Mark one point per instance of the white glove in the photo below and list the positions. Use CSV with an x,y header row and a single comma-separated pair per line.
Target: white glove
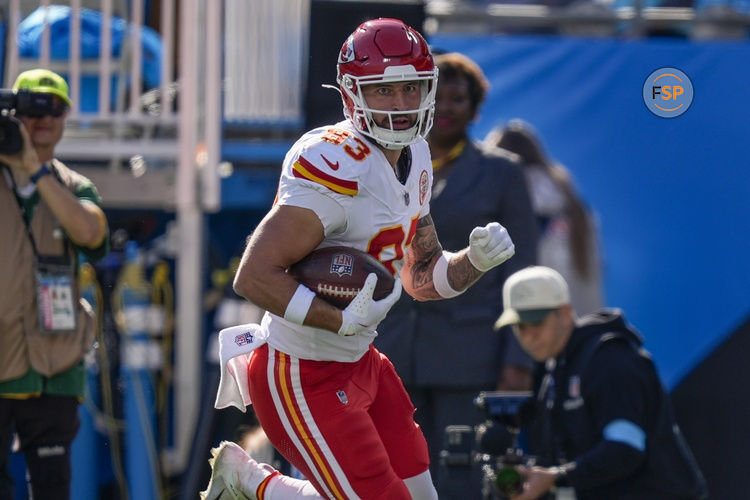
x,y
490,246
364,313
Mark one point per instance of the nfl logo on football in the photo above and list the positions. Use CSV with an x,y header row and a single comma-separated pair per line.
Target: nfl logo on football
x,y
342,264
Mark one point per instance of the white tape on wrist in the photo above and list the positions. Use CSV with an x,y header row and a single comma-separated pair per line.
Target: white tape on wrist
x,y
440,277
297,308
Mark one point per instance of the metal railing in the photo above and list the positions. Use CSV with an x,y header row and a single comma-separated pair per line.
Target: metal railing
x,y
266,60
116,132
129,129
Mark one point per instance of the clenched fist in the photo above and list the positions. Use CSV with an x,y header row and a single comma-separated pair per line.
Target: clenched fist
x,y
490,246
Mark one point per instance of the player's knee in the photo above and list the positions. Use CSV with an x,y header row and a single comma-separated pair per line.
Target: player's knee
x,y
394,489
376,479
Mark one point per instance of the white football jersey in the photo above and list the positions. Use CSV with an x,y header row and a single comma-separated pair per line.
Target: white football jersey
x,y
347,181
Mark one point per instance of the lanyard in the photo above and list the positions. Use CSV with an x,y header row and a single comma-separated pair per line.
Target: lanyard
x,y
55,281
26,216
22,208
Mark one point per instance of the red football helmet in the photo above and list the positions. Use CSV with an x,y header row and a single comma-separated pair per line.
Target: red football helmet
x,y
386,50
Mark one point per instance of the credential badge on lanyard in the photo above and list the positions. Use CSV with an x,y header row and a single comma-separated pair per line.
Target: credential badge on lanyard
x,y
54,276
55,294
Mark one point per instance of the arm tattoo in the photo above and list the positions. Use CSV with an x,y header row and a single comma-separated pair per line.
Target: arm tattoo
x,y
421,256
462,274
425,221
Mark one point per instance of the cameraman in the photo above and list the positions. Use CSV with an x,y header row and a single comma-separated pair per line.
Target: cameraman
x,y
603,422
48,215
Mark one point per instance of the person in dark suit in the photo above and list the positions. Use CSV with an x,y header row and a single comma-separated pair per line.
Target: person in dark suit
x,y
447,352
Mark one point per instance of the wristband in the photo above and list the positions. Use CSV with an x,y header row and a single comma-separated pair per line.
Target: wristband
x,y
43,170
296,309
440,277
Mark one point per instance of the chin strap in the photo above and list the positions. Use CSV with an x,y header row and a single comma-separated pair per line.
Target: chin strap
x,y
377,132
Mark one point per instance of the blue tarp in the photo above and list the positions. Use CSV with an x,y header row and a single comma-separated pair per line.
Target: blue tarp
x,y
673,195
59,19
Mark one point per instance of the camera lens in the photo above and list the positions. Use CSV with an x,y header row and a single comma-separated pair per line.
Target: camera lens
x,y
508,481
11,141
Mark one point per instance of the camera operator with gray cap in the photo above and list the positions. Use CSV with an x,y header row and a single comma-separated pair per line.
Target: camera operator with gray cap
x,y
603,422
49,214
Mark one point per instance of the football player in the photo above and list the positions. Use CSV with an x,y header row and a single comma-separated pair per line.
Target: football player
x,y
327,399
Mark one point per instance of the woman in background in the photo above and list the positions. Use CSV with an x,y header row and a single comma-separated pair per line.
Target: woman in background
x,y
447,352
567,232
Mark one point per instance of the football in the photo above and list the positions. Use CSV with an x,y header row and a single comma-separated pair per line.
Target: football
x,y
336,274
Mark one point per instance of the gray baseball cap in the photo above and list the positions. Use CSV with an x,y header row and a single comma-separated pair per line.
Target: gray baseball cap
x,y
530,294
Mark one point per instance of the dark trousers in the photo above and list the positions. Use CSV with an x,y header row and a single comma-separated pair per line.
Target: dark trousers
x,y
437,408
46,426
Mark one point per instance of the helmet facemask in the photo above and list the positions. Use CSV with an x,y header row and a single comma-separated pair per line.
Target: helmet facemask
x,y
358,111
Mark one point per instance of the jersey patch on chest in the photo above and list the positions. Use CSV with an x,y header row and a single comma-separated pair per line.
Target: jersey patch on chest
x,y
424,186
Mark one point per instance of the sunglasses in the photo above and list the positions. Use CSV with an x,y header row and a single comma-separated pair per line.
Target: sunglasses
x,y
39,105
56,112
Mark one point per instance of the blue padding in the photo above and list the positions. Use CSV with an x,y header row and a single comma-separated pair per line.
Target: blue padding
x,y
59,19
59,16
283,123
255,152
671,195
626,432
249,189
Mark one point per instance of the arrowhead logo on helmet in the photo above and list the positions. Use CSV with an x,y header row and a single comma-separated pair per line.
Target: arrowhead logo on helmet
x,y
347,51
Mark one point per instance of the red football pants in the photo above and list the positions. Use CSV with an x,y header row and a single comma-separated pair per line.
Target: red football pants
x,y
348,427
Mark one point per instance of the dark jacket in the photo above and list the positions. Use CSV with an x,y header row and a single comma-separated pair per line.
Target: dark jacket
x,y
451,342
604,382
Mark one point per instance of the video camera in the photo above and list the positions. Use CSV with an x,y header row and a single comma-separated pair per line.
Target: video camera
x,y
22,102
493,448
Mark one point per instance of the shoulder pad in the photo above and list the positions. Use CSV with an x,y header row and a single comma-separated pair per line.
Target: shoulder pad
x,y
326,163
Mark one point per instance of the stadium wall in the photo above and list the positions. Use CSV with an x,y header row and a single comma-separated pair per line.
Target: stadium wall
x,y
673,202
672,195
